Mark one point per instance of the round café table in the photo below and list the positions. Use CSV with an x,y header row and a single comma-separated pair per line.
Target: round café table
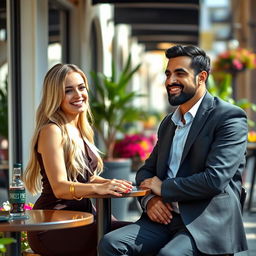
x,y
44,220
103,205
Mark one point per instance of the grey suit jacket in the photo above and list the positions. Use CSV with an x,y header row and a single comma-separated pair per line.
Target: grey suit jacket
x,y
208,183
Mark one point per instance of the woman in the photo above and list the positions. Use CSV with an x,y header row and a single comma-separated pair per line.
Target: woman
x,y
65,162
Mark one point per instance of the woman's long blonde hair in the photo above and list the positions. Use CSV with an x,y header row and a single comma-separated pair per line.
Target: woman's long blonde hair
x,y
49,111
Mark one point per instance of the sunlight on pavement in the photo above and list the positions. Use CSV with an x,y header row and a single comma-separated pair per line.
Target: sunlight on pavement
x,y
249,224
250,236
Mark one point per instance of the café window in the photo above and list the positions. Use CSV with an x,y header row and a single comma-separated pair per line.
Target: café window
x,y
58,47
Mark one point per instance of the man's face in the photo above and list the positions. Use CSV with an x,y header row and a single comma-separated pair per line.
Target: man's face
x,y
181,83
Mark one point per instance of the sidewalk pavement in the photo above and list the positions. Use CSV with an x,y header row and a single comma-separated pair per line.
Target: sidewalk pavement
x,y
250,229
249,216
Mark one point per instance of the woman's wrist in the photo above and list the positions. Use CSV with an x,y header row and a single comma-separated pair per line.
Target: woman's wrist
x,y
94,188
73,191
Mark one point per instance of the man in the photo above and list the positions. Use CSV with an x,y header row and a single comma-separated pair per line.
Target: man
x,y
194,172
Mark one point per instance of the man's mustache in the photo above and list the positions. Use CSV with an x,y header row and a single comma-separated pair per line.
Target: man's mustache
x,y
174,84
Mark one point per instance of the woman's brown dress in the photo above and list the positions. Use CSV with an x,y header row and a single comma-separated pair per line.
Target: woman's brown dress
x,y
66,242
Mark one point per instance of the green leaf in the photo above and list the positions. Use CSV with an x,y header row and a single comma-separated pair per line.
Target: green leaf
x,y
223,89
7,240
113,76
251,123
126,78
111,102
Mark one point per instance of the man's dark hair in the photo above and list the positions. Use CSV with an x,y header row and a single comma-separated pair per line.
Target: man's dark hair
x,y
200,61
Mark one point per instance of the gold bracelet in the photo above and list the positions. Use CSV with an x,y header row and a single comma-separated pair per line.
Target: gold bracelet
x,y
72,191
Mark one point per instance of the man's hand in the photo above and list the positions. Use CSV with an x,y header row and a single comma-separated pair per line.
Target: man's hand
x,y
158,211
154,184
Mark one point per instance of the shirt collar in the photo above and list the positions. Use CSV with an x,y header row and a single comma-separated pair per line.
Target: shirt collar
x,y
189,116
194,109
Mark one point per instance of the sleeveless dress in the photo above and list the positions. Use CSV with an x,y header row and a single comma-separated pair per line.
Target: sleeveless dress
x,y
65,242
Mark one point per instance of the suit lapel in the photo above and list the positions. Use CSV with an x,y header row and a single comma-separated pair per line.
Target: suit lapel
x,y
198,122
164,147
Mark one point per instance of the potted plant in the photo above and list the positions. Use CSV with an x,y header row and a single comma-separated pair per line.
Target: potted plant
x,y
136,147
112,109
111,103
234,61
220,84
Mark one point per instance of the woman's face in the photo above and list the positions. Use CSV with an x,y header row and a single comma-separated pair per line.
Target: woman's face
x,y
76,96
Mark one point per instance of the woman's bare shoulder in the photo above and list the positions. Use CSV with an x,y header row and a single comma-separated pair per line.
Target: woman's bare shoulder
x,y
51,133
51,129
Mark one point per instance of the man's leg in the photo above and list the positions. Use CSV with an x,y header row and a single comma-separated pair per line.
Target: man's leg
x,y
181,244
142,237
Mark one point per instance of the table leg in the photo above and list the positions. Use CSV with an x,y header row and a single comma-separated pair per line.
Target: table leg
x,y
15,248
103,216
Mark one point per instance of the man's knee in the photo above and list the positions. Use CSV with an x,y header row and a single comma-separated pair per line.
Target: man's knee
x,y
109,245
166,252
105,246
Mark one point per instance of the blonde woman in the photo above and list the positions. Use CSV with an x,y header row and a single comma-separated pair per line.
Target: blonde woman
x,y
64,162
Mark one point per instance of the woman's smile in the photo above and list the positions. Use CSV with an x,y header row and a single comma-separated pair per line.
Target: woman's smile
x,y
78,103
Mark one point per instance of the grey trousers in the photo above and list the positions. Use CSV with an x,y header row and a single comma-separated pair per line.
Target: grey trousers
x,y
145,237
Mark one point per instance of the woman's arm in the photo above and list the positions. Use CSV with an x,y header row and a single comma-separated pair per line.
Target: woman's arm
x,y
51,148
97,179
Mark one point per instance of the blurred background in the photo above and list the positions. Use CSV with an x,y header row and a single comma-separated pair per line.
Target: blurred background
x,y
93,34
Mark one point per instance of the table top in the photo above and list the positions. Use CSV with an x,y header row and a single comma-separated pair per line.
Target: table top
x,y
136,191
48,219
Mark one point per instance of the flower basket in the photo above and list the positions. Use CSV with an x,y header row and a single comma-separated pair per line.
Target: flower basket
x,y
235,60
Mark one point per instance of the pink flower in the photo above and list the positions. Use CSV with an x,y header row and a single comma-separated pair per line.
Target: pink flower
x,y
28,206
237,64
235,60
135,145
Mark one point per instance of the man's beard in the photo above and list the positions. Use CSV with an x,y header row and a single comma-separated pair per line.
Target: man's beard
x,y
184,96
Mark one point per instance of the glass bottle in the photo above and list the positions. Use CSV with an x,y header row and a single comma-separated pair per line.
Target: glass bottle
x,y
17,193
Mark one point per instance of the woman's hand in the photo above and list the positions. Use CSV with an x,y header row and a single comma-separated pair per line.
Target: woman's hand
x,y
153,183
114,187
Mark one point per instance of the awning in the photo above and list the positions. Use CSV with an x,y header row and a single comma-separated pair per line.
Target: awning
x,y
155,23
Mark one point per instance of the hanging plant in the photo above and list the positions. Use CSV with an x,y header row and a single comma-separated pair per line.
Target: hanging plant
x,y
235,60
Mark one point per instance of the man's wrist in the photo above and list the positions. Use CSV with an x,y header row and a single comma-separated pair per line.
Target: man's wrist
x,y
145,200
